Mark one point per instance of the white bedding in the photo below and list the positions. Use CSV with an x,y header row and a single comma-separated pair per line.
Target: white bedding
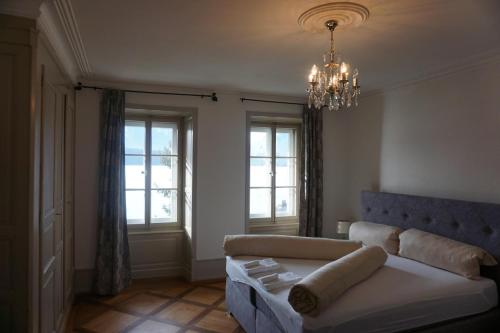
x,y
401,295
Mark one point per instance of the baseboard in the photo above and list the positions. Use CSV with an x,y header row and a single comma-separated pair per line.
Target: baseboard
x,y
65,323
211,269
84,277
157,270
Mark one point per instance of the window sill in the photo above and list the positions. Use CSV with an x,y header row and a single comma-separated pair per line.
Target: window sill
x,y
155,231
288,228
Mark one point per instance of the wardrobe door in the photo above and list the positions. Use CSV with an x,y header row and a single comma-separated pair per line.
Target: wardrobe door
x,y
15,97
59,206
51,237
69,157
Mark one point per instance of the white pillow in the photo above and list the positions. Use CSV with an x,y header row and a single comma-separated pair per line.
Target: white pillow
x,y
382,235
444,253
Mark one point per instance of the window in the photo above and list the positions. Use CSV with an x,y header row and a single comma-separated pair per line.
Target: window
x,y
273,172
151,171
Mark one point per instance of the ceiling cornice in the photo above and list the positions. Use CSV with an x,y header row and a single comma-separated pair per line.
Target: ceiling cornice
x,y
54,38
29,9
72,32
470,63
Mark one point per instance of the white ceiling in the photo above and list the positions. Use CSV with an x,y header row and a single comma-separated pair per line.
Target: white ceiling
x,y
257,45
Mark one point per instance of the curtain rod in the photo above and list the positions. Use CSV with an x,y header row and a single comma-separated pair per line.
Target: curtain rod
x,y
213,96
269,101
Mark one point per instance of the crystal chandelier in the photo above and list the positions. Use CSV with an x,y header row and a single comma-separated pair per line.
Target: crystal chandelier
x,y
331,86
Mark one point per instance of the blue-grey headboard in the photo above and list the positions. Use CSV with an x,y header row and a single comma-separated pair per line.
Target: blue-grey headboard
x,y
469,222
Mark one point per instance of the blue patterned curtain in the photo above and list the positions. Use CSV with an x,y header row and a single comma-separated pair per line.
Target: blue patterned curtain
x,y
112,268
311,173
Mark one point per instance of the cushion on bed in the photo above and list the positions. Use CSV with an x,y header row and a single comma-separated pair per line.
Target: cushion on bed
x,y
382,235
317,291
444,253
288,247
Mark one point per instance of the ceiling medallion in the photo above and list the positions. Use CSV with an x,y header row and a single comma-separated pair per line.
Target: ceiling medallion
x,y
346,14
336,84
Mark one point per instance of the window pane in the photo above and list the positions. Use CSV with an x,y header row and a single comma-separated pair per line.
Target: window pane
x,y
285,202
163,172
135,137
135,167
260,141
260,172
285,142
163,138
260,203
285,171
164,206
135,207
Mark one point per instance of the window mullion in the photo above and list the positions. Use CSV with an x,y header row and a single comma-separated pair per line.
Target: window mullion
x,y
273,170
148,175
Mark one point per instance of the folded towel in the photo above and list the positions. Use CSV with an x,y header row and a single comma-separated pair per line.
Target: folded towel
x,y
251,264
280,281
318,290
264,265
268,278
278,246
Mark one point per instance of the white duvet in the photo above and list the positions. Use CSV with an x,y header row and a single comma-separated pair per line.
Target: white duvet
x,y
401,295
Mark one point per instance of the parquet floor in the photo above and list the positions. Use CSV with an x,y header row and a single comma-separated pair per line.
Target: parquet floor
x,y
156,305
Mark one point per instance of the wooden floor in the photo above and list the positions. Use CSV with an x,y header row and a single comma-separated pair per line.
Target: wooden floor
x,y
156,305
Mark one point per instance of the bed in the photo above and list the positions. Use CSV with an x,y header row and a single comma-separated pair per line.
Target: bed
x,y
404,295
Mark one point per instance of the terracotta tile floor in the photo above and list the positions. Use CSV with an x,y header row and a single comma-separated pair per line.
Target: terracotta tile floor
x,y
156,305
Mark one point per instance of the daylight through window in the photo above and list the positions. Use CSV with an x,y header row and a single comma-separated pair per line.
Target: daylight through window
x,y
273,173
151,172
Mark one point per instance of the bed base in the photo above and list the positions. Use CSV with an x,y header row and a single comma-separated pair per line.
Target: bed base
x,y
255,316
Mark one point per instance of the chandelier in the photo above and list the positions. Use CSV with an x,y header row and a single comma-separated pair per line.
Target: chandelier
x,y
333,86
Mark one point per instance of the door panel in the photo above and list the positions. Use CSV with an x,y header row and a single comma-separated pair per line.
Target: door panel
x,y
47,318
52,215
69,133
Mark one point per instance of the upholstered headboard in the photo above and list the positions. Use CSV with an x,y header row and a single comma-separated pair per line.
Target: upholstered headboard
x,y
469,222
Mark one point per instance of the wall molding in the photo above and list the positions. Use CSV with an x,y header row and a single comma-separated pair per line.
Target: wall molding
x,y
72,32
51,35
29,9
466,64
173,269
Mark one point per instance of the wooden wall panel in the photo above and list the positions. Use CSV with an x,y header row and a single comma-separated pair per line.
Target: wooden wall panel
x,y
16,91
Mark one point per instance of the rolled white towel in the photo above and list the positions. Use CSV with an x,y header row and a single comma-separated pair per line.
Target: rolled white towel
x,y
322,287
278,246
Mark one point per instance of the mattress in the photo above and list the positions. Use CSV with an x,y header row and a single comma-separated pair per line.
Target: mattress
x,y
403,294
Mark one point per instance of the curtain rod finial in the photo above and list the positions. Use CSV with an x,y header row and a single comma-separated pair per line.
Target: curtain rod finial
x,y
214,97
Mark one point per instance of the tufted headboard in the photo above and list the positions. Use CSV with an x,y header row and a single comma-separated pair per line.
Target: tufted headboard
x,y
469,222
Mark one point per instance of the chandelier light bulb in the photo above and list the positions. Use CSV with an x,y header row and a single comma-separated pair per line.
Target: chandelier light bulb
x,y
343,68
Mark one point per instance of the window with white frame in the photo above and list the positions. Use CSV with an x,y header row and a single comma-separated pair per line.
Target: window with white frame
x,y
152,174
273,173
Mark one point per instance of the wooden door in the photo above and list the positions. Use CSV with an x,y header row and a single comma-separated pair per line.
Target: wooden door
x,y
52,208
69,157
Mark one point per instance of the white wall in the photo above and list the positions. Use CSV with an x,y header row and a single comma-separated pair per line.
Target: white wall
x,y
220,168
439,137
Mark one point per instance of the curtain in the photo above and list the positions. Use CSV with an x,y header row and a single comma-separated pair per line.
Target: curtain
x,y
311,173
112,268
